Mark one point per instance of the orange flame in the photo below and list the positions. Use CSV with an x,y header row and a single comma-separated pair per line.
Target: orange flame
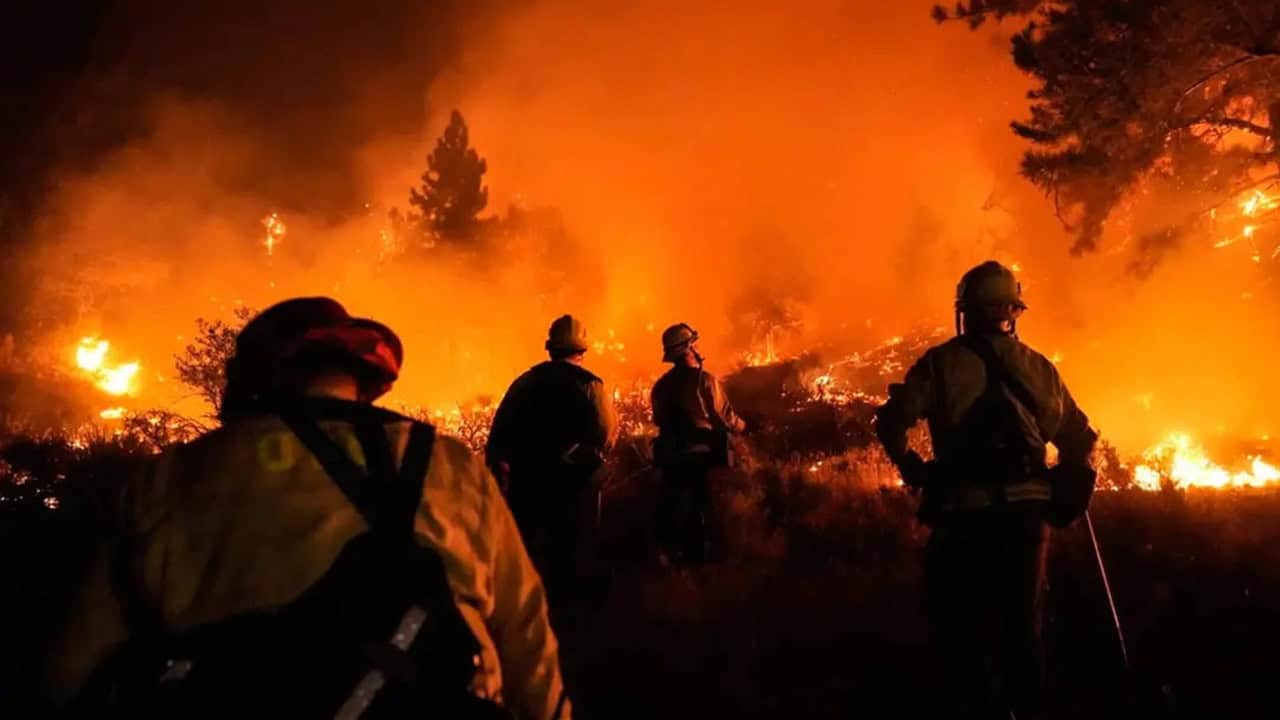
x,y
91,358
768,355
1182,461
276,230
1258,202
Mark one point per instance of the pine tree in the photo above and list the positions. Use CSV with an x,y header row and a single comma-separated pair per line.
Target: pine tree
x,y
1180,97
452,195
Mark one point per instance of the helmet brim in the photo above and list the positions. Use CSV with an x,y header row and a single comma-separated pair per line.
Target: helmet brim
x,y
374,347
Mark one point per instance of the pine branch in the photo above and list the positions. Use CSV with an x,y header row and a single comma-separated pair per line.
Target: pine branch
x,y
1237,123
1238,62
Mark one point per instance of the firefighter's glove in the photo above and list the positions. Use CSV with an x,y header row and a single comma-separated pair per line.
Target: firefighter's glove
x,y
914,470
1072,486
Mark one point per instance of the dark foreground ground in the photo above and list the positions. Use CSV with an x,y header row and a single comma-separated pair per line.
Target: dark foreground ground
x,y
819,617
812,612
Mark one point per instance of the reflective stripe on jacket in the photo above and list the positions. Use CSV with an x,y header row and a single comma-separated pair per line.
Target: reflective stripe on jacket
x,y
979,497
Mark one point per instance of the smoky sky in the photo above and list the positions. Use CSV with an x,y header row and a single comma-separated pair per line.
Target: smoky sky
x,y
839,163
293,80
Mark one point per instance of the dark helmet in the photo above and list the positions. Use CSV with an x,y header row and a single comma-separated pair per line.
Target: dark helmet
x,y
676,340
295,328
988,284
567,335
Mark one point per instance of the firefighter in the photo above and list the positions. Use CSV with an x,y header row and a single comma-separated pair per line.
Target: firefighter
x,y
991,403
296,503
694,420
547,443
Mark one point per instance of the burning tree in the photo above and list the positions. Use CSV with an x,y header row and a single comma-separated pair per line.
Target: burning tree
x,y
762,316
452,195
1157,96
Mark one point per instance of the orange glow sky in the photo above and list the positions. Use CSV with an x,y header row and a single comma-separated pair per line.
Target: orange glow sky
x,y
852,154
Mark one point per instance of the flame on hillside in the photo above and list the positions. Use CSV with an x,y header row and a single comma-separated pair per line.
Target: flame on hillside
x,y
1182,461
1179,459
112,378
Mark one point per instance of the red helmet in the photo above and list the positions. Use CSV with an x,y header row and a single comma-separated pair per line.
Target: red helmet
x,y
287,330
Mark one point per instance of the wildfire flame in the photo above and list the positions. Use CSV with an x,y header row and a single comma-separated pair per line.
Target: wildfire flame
x,y
1258,202
389,243
91,358
1178,460
1253,208
276,230
1184,462
767,355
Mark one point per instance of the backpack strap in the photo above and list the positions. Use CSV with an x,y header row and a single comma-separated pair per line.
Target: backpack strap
x,y
1025,430
407,497
998,373
387,500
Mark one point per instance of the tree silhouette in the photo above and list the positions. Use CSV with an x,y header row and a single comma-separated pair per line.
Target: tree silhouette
x,y
202,365
452,194
1168,96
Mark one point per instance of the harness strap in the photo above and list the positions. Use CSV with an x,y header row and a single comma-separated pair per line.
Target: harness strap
x,y
387,500
389,510
417,460
998,373
976,496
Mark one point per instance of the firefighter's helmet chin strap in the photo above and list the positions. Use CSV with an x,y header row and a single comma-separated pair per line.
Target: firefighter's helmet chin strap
x,y
697,356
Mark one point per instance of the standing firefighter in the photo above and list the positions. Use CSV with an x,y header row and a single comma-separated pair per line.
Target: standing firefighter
x,y
548,441
992,404
694,422
316,556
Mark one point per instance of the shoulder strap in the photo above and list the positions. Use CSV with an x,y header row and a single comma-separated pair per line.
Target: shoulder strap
x,y
387,500
998,373
413,468
387,507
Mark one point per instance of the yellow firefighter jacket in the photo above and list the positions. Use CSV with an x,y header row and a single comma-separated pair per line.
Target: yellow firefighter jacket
x,y
244,518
